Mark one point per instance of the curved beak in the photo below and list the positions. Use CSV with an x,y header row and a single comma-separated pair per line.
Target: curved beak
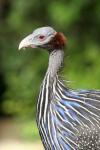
x,y
27,42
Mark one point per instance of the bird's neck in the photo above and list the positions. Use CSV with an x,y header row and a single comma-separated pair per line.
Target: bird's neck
x,y
48,86
55,62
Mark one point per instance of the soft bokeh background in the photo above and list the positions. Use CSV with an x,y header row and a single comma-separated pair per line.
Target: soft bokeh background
x,y
22,72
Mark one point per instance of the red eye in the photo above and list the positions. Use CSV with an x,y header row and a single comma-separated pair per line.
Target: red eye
x,y
41,37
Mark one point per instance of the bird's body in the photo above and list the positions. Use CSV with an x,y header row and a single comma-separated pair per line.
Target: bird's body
x,y
67,119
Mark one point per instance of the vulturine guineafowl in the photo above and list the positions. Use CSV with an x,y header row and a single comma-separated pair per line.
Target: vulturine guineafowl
x,y
67,119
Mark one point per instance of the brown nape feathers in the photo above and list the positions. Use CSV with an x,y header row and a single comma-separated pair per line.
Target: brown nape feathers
x,y
59,40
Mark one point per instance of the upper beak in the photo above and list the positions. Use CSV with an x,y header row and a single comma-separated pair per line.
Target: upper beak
x,y
27,42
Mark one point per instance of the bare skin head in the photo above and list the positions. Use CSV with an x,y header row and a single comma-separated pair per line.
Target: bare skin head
x,y
44,37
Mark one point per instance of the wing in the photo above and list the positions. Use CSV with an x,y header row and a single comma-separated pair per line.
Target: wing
x,y
89,101
77,116
84,104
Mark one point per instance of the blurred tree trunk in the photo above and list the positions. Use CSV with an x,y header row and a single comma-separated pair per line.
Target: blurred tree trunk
x,y
4,9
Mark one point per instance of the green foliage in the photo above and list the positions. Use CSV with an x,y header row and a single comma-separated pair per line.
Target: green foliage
x,y
23,71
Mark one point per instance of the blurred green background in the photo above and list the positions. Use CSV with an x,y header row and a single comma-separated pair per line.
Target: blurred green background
x,y
21,72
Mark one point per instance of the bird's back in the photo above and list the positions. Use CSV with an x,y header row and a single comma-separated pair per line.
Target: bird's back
x,y
76,118
70,119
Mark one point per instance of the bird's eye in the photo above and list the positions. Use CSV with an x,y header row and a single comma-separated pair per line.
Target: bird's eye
x,y
41,37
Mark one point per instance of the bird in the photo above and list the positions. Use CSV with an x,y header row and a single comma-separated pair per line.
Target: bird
x,y
67,119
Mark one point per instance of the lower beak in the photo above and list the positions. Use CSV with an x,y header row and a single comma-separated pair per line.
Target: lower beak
x,y
27,42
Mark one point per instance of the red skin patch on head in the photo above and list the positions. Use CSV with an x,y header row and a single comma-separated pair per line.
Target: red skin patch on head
x,y
59,40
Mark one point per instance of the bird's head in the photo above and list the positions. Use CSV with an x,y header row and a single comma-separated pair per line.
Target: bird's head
x,y
44,37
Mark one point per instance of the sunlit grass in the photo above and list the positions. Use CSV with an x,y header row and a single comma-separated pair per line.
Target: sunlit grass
x,y
29,131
